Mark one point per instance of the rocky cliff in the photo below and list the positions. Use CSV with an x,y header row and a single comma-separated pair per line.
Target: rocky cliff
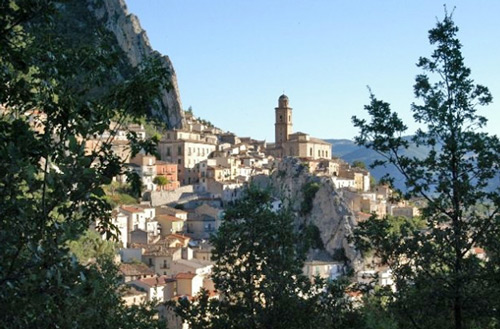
x,y
132,39
321,205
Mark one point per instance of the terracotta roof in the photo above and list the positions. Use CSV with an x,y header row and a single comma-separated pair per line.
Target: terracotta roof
x,y
185,276
156,281
478,250
362,216
354,294
169,217
132,209
178,236
135,269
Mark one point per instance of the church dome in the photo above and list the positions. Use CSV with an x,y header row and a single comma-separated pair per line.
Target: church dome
x,y
283,101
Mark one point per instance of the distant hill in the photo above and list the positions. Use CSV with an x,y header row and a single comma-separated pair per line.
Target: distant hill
x,y
348,150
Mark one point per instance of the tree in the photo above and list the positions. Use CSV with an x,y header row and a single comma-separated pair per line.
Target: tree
x,y
440,281
258,263
60,85
91,246
161,181
358,164
258,269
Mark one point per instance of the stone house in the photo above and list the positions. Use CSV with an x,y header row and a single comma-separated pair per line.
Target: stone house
x,y
145,166
157,288
132,296
186,149
159,257
135,271
169,171
170,224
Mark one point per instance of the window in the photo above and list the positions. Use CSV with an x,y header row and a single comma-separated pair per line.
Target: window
x,y
281,118
150,261
179,150
168,151
311,152
179,162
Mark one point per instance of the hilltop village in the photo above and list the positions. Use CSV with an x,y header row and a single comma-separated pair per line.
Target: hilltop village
x,y
164,239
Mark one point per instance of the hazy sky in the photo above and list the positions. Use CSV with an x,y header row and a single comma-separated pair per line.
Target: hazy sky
x,y
234,58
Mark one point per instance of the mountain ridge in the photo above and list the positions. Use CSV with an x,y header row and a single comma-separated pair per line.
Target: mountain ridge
x,y
134,42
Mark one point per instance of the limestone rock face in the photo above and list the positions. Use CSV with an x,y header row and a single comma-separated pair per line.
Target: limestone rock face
x,y
329,211
133,40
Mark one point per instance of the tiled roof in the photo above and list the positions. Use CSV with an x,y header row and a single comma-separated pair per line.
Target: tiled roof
x,y
132,209
135,269
185,275
169,218
156,281
178,236
167,209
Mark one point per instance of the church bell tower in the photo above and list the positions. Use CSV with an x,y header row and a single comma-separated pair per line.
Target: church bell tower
x,y
283,125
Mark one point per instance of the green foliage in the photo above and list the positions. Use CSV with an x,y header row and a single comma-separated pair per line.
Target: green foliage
x,y
91,246
375,313
313,235
309,191
258,268
119,194
201,313
440,283
161,180
373,182
74,82
358,164
257,262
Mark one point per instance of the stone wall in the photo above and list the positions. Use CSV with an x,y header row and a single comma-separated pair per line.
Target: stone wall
x,y
158,198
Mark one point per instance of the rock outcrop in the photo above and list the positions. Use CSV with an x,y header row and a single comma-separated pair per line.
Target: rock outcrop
x,y
327,210
133,40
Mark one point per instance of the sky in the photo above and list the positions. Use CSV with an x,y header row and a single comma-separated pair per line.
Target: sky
x,y
234,58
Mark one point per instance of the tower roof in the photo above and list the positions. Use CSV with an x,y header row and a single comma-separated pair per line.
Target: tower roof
x,y
283,101
283,97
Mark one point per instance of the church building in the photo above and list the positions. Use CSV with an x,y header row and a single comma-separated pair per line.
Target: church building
x,y
296,144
